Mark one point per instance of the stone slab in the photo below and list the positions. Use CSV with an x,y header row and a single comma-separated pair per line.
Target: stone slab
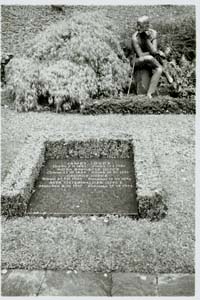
x,y
74,283
66,283
176,285
22,283
131,284
142,78
85,186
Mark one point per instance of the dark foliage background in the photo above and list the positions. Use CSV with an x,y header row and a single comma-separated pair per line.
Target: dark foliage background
x,y
175,23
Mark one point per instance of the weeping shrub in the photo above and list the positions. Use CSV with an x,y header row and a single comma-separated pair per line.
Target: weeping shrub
x,y
22,82
70,62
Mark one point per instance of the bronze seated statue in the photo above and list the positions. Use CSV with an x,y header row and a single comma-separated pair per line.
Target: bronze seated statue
x,y
148,63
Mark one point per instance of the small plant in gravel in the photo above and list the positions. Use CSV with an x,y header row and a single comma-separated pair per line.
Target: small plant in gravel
x,y
68,63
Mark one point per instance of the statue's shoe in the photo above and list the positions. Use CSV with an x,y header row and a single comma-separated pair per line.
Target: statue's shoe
x,y
149,96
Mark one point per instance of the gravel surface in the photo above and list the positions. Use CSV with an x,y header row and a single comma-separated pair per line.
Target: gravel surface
x,y
125,245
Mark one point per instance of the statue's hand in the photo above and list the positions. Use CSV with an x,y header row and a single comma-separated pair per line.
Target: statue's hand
x,y
148,33
161,54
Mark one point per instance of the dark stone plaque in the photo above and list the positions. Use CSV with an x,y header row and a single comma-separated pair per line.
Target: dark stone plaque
x,y
85,186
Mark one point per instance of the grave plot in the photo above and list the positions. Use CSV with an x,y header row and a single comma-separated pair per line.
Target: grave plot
x,y
85,186
84,177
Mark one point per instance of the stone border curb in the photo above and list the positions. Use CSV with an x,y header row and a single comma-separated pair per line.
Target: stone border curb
x,y
21,282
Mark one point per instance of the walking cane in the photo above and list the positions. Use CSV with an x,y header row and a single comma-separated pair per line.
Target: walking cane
x,y
132,72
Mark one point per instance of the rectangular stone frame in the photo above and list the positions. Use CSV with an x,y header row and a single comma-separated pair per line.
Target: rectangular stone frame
x,y
19,183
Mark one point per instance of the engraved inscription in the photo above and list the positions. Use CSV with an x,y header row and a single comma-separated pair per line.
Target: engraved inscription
x,y
78,174
85,186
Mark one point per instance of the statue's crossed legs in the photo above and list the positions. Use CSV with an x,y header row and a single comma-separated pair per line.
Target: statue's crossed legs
x,y
150,62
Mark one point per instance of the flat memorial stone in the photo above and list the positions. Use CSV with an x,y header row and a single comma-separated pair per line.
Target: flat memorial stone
x,y
85,186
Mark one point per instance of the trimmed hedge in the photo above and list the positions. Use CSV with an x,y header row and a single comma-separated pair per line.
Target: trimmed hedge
x,y
19,183
151,196
141,105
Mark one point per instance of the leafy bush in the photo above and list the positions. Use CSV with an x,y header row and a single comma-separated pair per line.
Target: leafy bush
x,y
68,63
183,76
180,35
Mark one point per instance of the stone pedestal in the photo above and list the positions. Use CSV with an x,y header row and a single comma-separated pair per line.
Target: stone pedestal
x,y
142,80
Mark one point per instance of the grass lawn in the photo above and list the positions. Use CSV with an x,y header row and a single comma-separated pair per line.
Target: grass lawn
x,y
120,244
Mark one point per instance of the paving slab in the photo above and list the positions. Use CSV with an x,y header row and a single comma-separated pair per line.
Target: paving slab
x,y
66,283
22,283
176,285
131,284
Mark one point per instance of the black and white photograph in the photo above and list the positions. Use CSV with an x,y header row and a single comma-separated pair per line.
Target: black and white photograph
x,y
98,106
